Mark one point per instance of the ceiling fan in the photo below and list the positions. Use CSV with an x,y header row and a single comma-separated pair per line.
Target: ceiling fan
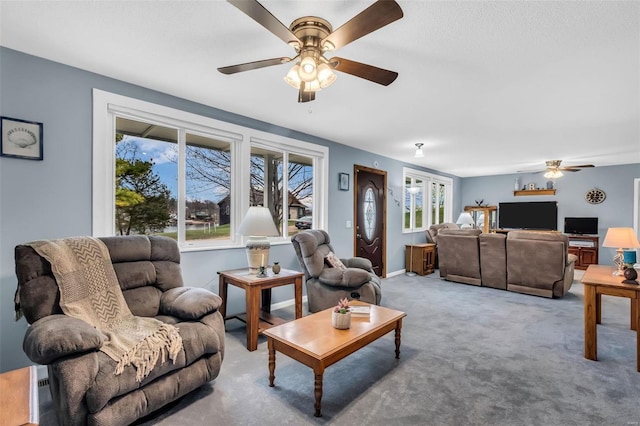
x,y
312,37
553,169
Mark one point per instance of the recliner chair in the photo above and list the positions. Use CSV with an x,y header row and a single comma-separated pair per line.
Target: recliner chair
x,y
326,284
83,386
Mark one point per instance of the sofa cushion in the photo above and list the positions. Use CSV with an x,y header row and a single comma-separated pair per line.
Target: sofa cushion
x,y
198,339
333,261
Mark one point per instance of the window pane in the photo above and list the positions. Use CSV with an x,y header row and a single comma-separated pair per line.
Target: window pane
x,y
208,188
441,202
145,178
300,193
407,204
266,183
418,204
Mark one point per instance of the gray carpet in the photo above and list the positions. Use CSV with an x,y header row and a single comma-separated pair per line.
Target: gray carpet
x,y
469,356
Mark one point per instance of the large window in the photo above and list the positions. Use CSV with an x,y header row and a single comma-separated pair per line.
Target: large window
x,y
427,200
184,176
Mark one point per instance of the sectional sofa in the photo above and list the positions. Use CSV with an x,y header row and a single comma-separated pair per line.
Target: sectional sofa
x,y
536,263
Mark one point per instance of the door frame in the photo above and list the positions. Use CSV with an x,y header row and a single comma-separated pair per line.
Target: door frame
x,y
383,173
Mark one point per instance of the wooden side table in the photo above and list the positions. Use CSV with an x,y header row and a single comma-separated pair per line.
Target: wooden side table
x,y
420,258
19,402
255,288
599,280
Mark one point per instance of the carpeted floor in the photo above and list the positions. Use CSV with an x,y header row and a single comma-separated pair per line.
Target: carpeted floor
x,y
469,356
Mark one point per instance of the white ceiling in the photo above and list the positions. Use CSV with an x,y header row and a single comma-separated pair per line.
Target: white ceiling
x,y
489,87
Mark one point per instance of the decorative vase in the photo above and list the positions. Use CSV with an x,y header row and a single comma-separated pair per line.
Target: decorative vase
x,y
275,268
516,186
341,321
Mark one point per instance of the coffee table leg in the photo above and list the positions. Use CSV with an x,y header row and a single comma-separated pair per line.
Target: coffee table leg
x,y
318,393
272,361
398,333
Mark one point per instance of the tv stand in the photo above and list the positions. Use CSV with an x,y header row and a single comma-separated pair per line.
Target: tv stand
x,y
586,248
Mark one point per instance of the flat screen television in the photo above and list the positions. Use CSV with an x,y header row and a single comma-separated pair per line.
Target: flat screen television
x,y
581,225
541,215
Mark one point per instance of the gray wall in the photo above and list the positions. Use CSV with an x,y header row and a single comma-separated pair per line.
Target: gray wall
x,y
52,198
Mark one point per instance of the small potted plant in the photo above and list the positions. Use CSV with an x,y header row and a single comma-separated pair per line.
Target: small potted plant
x,y
341,315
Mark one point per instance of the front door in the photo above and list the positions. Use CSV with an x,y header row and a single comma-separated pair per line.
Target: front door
x,y
370,216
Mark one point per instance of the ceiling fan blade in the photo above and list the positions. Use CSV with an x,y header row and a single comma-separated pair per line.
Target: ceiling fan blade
x,y
304,96
568,169
262,16
581,166
232,69
368,72
376,16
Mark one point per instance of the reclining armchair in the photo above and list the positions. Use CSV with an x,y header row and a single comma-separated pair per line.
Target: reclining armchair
x,y
82,379
329,279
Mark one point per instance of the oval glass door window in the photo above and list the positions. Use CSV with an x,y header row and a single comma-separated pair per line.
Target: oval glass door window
x,y
369,213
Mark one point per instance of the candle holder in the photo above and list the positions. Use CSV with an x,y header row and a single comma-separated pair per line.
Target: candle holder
x,y
261,272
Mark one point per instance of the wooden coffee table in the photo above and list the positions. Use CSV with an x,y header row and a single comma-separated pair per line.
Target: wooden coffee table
x,y
312,341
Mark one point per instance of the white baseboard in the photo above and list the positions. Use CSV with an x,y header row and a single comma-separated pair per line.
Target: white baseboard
x,y
286,303
395,273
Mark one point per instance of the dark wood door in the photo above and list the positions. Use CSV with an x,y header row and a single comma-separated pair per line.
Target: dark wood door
x,y
370,216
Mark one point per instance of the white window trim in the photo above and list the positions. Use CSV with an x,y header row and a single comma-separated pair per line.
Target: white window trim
x,y
427,179
107,105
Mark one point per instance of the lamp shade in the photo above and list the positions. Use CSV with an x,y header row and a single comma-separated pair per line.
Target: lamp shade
x,y
258,222
465,219
621,238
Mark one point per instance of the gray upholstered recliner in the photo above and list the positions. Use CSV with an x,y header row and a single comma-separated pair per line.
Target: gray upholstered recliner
x,y
82,382
326,285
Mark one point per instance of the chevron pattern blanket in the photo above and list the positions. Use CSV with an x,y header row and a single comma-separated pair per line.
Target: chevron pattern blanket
x,y
89,291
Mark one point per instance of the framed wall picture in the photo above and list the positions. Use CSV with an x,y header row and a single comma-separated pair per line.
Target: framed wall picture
x,y
21,138
343,181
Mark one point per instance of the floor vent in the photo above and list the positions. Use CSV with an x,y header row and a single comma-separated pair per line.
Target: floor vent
x,y
43,382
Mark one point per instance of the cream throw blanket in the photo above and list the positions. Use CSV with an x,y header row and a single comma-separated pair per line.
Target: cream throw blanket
x,y
89,291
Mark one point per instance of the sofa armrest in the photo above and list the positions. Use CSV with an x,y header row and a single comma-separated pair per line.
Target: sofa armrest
x,y
571,258
57,336
350,277
189,303
358,262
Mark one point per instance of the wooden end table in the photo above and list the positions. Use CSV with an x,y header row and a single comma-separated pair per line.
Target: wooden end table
x,y
19,403
599,280
420,258
255,288
315,343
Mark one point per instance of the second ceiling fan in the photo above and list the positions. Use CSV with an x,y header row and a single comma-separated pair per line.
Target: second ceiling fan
x,y
553,169
312,37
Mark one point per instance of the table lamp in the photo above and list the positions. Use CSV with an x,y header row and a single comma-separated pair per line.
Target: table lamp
x,y
620,239
258,225
465,220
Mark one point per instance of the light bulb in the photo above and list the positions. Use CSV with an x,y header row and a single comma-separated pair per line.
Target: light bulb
x,y
326,76
292,78
307,69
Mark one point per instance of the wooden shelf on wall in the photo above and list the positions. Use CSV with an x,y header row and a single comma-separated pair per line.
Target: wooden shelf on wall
x,y
535,192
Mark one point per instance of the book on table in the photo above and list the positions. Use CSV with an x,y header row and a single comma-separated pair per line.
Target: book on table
x,y
360,310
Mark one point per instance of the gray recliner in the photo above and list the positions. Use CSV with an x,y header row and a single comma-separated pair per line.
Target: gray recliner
x,y
83,386
326,285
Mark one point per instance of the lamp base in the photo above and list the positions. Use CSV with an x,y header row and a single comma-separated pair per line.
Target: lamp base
x,y
618,260
257,253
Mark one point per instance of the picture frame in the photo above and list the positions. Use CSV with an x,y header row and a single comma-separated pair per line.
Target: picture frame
x,y
21,138
343,181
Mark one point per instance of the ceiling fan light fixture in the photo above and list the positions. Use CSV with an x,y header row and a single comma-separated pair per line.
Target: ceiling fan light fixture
x,y
419,153
308,69
553,174
326,76
293,77
312,86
